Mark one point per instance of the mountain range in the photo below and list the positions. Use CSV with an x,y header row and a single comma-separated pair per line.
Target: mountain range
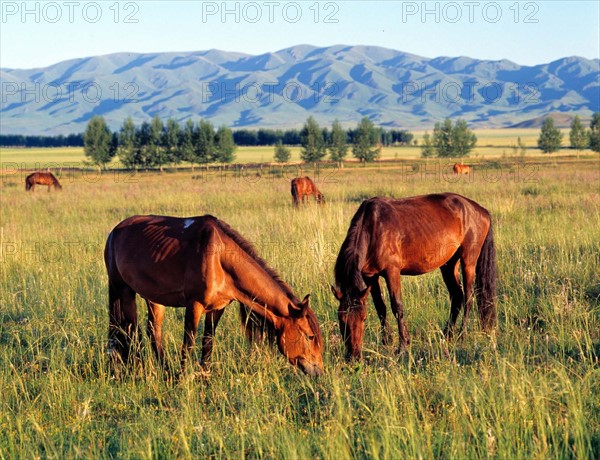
x,y
282,89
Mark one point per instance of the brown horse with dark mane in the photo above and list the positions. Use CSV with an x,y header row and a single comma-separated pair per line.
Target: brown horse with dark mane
x,y
413,236
202,265
41,178
460,168
303,188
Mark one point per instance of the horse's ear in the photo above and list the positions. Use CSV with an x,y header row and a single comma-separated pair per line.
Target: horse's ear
x,y
363,294
338,295
304,305
300,310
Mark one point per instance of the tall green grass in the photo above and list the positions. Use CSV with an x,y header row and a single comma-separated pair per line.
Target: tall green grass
x,y
529,391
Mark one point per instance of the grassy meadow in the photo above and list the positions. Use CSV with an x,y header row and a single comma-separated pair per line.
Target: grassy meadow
x,y
529,391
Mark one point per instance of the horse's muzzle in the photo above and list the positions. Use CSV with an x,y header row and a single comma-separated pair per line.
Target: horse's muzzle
x,y
310,369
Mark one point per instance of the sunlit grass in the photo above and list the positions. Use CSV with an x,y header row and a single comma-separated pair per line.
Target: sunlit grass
x,y
529,392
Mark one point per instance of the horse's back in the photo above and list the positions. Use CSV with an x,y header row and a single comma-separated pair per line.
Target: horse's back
x,y
142,232
42,178
153,254
461,169
423,227
305,184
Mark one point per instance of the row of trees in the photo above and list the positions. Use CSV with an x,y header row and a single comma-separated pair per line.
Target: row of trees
x,y
20,140
580,138
457,140
265,136
241,137
449,140
319,142
154,144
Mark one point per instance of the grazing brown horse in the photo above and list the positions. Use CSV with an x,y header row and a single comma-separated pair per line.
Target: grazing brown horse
x,y
202,265
302,188
41,178
459,168
413,236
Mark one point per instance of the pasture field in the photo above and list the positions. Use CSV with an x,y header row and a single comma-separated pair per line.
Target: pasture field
x,y
529,391
491,143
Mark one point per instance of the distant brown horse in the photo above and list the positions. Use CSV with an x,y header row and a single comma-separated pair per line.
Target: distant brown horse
x,y
202,265
459,168
41,178
304,187
413,236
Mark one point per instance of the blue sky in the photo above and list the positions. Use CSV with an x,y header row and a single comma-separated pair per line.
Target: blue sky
x,y
37,34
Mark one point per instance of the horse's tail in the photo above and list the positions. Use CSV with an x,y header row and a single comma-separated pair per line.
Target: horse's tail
x,y
485,282
256,328
294,192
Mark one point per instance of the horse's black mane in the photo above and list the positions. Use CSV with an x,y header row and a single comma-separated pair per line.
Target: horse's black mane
x,y
352,253
255,325
249,249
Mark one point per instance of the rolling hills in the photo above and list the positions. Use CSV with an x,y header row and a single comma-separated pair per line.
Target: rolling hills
x,y
281,89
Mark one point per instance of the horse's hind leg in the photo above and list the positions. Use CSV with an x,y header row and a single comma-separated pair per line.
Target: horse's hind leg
x,y
210,325
123,325
386,336
392,278
452,280
468,268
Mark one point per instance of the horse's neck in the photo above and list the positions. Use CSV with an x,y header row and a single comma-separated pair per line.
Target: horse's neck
x,y
253,284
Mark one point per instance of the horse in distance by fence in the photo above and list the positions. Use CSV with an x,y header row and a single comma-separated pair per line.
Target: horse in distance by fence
x,y
200,264
41,178
412,236
460,169
303,188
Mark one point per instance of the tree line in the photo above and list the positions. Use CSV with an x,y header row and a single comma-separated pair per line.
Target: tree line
x,y
20,140
242,137
154,144
317,142
580,138
457,140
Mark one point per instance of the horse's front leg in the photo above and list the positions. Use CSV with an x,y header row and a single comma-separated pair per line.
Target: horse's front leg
x,y
193,312
386,336
210,325
392,278
156,315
